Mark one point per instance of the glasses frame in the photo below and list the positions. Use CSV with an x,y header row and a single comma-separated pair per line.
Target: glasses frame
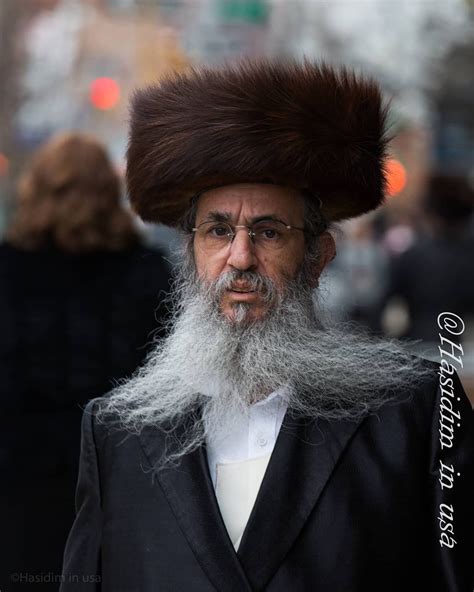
x,y
249,229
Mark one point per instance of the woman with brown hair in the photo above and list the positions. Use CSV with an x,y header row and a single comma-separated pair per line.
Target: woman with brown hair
x,y
70,199
78,311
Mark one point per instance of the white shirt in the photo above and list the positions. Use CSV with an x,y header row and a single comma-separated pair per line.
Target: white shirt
x,y
237,463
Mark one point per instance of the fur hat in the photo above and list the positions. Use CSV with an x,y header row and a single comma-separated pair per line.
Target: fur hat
x,y
306,126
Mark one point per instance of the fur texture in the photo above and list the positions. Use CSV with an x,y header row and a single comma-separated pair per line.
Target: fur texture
x,y
308,126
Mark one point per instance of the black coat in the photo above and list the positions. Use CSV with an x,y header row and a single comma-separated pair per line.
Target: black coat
x,y
70,325
344,507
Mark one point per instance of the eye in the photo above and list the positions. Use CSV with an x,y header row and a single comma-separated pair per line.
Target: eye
x,y
218,230
268,232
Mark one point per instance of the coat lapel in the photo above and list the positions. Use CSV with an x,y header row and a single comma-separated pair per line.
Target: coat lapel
x,y
305,454
190,493
303,459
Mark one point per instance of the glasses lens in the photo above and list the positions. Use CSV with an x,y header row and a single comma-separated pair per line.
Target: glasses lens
x,y
271,234
213,236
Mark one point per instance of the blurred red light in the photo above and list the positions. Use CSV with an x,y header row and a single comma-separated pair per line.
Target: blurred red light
x,y
4,165
104,93
396,177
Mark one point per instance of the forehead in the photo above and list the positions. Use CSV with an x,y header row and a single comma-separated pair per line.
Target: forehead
x,y
250,200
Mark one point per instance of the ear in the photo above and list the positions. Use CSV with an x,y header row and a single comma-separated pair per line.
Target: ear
x,y
327,252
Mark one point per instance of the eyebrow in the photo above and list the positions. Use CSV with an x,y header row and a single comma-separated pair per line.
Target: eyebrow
x,y
217,216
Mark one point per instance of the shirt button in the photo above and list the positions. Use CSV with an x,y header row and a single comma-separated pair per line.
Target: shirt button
x,y
262,442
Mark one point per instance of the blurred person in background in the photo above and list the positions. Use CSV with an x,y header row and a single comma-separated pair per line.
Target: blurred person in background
x,y
435,273
78,307
356,279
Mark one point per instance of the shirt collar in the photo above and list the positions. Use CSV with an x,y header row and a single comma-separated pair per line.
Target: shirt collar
x,y
280,395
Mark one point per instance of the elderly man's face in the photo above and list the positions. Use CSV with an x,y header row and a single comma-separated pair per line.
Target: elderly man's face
x,y
245,204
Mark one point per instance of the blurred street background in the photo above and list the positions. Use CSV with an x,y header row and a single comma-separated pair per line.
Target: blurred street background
x,y
72,65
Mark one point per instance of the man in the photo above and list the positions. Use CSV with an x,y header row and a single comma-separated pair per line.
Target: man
x,y
259,448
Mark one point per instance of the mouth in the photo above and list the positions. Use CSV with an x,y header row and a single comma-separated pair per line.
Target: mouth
x,y
241,288
242,294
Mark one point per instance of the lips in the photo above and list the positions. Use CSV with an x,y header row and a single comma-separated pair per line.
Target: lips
x,y
241,289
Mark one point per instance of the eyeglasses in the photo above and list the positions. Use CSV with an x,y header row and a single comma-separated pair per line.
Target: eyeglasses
x,y
271,235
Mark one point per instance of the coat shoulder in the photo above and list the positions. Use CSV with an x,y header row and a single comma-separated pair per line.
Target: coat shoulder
x,y
107,433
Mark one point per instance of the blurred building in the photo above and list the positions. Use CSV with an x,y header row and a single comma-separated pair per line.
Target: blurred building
x,y
95,45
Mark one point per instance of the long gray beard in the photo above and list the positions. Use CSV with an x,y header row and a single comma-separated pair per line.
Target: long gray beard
x,y
210,369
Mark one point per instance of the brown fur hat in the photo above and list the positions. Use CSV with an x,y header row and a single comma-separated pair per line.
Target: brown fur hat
x,y
307,126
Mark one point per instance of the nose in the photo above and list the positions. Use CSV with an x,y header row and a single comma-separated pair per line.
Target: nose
x,y
242,251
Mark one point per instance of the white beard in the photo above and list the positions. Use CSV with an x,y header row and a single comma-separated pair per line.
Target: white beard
x,y
216,368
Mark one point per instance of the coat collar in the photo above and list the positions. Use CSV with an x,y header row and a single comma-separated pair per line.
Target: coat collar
x,y
305,455
301,464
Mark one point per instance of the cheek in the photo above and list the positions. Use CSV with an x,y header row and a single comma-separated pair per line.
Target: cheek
x,y
293,261
205,266
282,270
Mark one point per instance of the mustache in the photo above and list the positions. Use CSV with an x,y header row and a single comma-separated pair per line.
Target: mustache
x,y
254,281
